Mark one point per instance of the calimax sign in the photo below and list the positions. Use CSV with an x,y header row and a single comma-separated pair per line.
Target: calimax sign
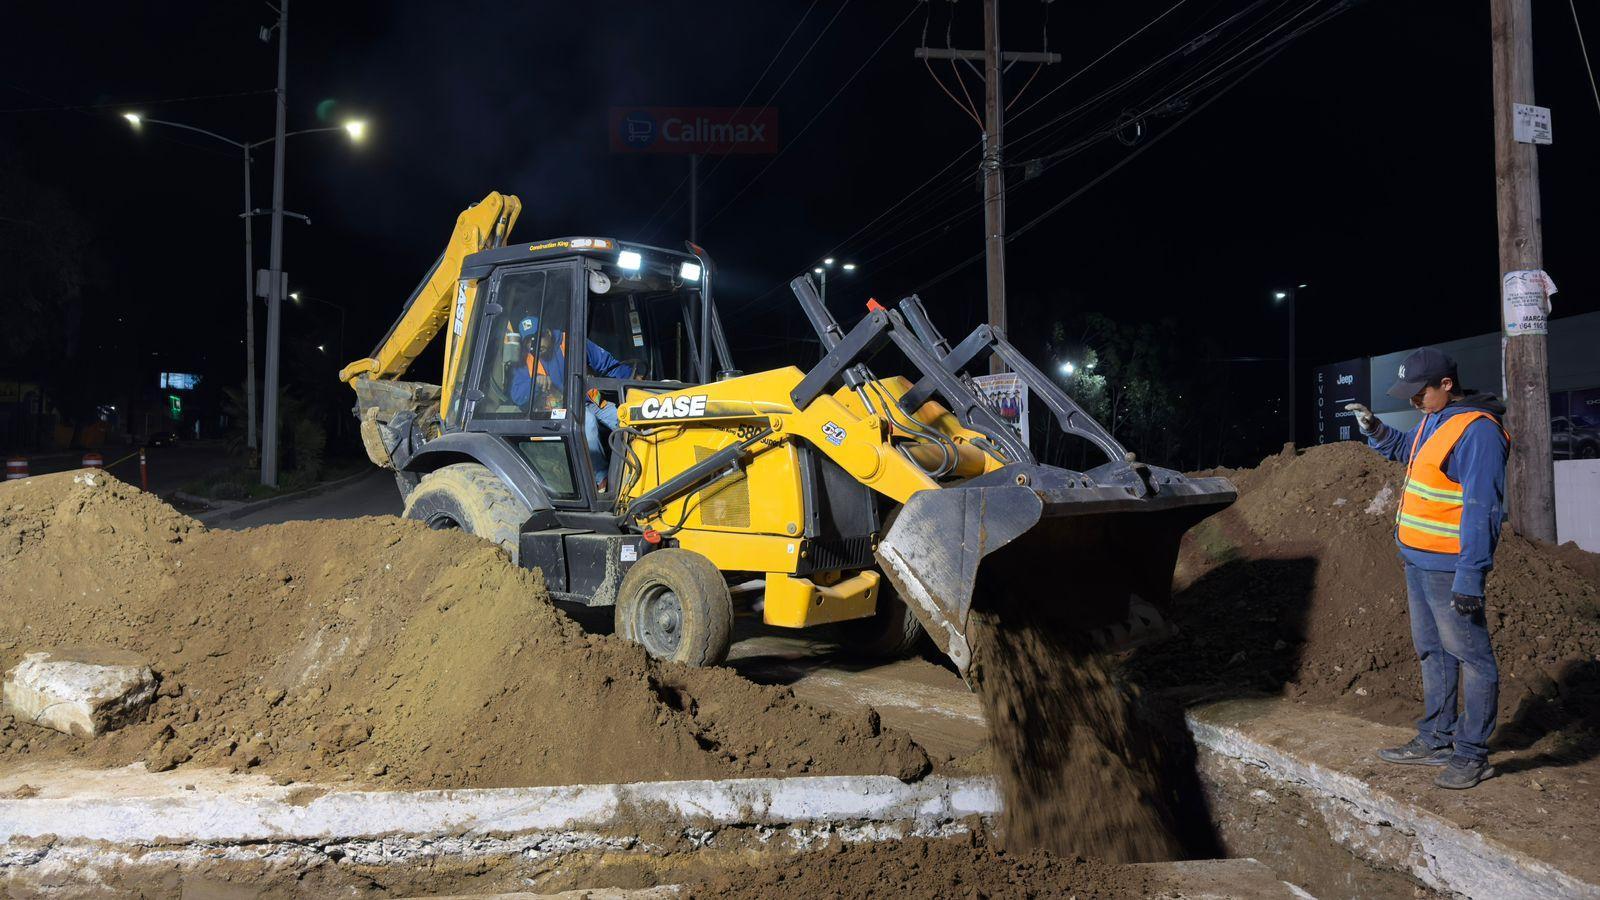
x,y
694,129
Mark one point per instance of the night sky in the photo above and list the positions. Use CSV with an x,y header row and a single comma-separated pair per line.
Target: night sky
x,y
1359,160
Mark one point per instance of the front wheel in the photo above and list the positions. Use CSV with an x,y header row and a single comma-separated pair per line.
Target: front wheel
x,y
676,604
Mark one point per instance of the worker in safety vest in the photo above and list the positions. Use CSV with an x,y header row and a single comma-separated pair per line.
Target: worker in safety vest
x,y
1447,528
545,367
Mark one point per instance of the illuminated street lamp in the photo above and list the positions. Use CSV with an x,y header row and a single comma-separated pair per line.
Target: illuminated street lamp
x,y
822,269
1288,295
356,129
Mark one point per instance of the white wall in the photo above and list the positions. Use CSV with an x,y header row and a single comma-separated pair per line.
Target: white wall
x,y
1578,502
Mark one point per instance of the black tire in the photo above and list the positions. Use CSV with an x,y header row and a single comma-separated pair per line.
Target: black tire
x,y
676,604
468,496
891,632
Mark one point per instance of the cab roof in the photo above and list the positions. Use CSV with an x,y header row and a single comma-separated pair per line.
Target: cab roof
x,y
479,264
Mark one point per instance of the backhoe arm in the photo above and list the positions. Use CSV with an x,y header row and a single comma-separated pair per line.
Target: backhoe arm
x,y
482,226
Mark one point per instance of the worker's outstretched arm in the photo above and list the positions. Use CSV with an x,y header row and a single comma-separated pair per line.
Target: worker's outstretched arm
x,y
521,386
1478,462
1392,443
604,364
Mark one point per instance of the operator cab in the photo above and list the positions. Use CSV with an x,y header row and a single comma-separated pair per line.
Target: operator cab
x,y
568,327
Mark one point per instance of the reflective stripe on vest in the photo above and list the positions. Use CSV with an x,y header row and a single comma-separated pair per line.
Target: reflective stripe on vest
x,y
1430,509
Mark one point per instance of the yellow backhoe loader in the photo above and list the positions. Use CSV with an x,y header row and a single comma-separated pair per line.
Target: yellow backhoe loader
x,y
883,506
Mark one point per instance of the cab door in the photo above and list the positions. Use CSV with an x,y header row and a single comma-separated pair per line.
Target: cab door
x,y
525,376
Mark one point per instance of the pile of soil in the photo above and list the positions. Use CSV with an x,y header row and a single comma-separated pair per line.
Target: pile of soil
x,y
374,649
918,867
1298,588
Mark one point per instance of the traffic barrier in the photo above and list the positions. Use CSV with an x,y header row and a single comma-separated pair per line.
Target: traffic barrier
x,y
16,467
93,460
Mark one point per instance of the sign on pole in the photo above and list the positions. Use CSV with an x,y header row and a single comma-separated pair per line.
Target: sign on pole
x,y
1531,124
1006,394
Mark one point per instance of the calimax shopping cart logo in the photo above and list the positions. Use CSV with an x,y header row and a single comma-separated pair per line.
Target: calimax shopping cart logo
x,y
694,129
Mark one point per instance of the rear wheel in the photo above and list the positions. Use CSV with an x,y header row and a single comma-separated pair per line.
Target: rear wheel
x,y
675,604
891,632
468,496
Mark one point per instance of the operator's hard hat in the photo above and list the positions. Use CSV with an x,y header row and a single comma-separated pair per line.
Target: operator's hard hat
x,y
529,326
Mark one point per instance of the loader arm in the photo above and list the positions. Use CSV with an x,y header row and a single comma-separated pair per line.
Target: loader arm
x,y
482,226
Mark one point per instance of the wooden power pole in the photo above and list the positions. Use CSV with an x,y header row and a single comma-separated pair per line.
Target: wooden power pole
x,y
991,167
1530,474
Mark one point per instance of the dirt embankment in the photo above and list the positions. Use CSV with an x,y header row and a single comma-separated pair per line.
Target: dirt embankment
x,y
376,650
1298,588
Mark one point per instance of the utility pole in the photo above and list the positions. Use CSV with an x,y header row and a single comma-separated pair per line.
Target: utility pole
x,y
1530,472
694,198
249,313
995,63
269,436
994,177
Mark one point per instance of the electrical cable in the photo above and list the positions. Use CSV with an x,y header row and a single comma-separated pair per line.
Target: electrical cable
x,y
721,158
796,139
1585,49
747,94
1102,56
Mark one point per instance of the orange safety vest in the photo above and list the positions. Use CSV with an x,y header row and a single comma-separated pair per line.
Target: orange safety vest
x,y
1430,509
536,367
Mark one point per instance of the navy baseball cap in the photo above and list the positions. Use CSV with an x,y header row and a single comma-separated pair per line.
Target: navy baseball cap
x,y
528,326
1420,369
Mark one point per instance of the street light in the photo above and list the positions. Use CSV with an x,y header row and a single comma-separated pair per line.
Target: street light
x,y
1288,295
1067,368
827,263
356,129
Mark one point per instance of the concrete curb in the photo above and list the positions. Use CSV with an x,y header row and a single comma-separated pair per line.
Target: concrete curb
x,y
240,510
220,817
1364,819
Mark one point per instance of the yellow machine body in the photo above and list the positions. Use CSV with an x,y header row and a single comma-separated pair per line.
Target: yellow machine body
x,y
752,519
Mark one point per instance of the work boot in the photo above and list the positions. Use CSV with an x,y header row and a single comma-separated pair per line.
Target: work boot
x,y
1464,773
1416,753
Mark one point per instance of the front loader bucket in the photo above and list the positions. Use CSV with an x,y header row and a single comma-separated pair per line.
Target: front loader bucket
x,y
1092,559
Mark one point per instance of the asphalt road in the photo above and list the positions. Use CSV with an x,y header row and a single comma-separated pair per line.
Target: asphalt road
x,y
921,697
373,494
169,468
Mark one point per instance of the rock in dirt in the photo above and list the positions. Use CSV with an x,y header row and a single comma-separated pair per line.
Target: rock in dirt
x,y
334,650
78,691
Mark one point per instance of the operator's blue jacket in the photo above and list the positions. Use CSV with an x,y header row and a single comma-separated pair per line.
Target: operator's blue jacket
x,y
1478,463
599,361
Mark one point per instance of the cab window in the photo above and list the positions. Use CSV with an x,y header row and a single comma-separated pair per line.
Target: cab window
x,y
647,331
525,364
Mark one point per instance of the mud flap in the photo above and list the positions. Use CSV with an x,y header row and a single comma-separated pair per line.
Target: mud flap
x,y
1097,560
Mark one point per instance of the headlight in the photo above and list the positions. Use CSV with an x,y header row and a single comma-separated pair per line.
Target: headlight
x,y
629,259
689,271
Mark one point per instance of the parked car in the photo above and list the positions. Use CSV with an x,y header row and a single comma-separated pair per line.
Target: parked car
x,y
1575,436
161,439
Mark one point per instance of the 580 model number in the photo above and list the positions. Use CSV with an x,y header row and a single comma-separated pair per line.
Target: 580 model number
x,y
673,407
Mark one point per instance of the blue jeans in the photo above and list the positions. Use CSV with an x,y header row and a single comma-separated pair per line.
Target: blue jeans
x,y
1453,649
593,418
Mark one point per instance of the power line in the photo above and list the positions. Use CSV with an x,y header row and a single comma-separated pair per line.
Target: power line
x,y
1097,59
792,141
1583,47
1057,207
773,96
747,94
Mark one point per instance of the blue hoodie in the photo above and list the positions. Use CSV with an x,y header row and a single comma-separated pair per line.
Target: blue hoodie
x,y
1478,464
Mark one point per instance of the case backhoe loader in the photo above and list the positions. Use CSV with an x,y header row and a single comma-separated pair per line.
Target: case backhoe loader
x,y
887,506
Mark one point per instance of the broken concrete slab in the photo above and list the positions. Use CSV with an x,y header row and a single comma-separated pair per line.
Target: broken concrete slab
x,y
1274,770
77,690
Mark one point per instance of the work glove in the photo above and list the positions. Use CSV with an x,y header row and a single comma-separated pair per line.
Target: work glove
x,y
1466,605
1364,417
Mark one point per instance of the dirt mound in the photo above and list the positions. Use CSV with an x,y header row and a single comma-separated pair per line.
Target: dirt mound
x,y
918,867
379,650
1299,587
